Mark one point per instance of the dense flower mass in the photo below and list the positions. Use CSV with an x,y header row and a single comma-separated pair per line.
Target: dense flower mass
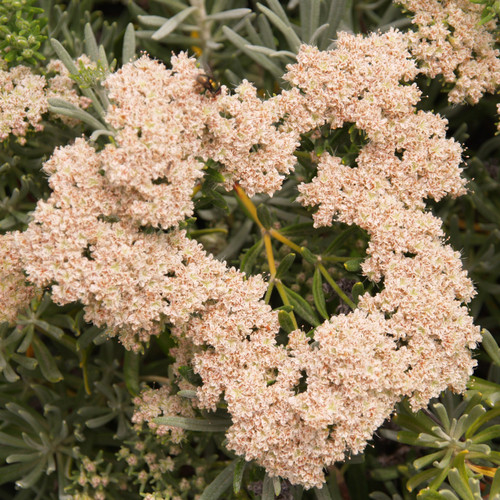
x,y
15,293
298,407
450,40
22,101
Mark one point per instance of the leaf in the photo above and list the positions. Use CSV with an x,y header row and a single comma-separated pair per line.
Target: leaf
x,y
429,494
32,477
285,265
322,493
220,484
188,394
93,423
131,372
91,43
195,424
128,51
460,485
188,373
267,489
302,307
491,347
172,23
228,14
9,440
46,361
353,265
10,473
488,434
421,477
74,112
264,216
319,294
495,486
241,43
250,257
358,290
286,321
426,460
238,474
24,361
64,56
309,256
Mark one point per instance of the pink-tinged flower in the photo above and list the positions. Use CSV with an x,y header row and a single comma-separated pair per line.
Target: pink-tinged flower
x,y
22,102
450,40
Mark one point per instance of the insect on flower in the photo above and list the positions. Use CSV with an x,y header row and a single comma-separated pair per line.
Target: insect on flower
x,y
208,83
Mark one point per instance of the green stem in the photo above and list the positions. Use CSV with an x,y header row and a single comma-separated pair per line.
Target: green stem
x,y
334,285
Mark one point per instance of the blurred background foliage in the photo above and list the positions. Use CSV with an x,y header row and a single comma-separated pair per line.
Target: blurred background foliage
x,y
66,391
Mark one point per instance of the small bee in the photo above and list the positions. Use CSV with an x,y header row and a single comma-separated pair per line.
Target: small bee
x,y
208,83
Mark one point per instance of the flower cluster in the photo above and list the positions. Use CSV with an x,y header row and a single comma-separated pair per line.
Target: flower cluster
x,y
22,101
296,407
24,97
450,40
15,293
154,403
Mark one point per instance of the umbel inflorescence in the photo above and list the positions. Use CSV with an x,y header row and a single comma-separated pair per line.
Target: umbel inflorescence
x,y
86,242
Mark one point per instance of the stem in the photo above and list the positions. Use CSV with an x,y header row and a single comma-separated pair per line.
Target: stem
x,y
334,285
247,202
285,240
85,373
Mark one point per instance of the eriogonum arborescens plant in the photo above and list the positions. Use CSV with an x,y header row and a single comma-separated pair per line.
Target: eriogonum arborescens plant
x,y
87,242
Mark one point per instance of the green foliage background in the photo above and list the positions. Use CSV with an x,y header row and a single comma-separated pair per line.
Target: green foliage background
x,y
66,391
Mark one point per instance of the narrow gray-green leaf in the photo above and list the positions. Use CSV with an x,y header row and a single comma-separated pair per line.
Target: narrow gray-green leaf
x,y
277,8
46,361
317,33
288,32
185,393
490,346
353,265
128,51
9,440
91,43
322,493
97,133
460,485
335,15
250,257
241,43
495,486
131,372
285,265
63,55
195,424
93,423
172,23
32,477
10,473
228,14
152,21
220,484
238,475
271,52
265,31
24,361
357,291
302,307
77,113
267,489
286,321
319,294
